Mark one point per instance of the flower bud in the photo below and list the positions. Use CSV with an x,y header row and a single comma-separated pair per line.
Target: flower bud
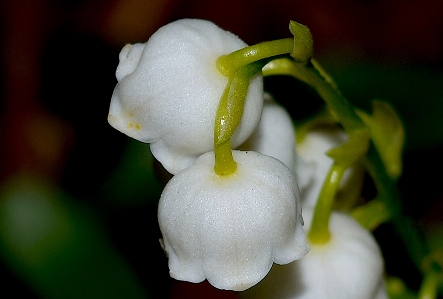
x,y
230,229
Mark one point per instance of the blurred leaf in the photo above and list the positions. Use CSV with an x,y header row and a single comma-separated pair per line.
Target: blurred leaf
x,y
397,289
415,93
371,214
352,150
387,132
133,181
55,245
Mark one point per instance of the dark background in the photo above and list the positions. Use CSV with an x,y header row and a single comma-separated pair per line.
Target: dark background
x,y
58,60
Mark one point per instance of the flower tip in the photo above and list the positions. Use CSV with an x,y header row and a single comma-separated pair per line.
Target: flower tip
x,y
129,58
125,123
115,122
243,286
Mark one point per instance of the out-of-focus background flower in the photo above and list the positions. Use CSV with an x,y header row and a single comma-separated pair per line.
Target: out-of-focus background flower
x,y
78,200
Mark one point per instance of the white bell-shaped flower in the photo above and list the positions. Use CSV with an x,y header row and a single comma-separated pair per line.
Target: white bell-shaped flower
x,y
313,164
275,133
349,266
169,88
231,229
275,137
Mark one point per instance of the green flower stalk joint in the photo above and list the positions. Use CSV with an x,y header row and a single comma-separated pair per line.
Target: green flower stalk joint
x,y
240,66
233,207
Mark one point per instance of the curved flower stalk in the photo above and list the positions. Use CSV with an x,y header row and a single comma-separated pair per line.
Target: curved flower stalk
x,y
312,158
169,88
350,265
231,229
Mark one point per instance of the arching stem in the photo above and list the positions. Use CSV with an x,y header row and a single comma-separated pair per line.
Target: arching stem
x,y
229,114
319,232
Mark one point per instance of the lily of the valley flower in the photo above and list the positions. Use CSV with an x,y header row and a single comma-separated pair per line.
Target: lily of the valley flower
x,y
348,266
169,88
275,137
313,160
231,229
275,134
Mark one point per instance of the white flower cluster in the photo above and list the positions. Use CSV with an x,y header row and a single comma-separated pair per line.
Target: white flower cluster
x,y
230,229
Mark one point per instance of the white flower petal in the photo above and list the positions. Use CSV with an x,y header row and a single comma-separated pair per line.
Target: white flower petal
x,y
275,137
312,160
169,88
349,266
229,230
381,292
128,60
275,134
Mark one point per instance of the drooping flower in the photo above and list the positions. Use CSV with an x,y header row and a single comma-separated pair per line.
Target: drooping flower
x,y
169,88
275,133
349,266
313,163
231,229
275,137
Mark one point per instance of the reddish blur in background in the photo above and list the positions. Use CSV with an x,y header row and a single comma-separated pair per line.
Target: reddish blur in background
x,y
58,60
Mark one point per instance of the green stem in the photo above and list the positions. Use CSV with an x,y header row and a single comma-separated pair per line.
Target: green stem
x,y
344,112
319,232
224,161
229,114
230,63
429,286
389,193
338,105
300,48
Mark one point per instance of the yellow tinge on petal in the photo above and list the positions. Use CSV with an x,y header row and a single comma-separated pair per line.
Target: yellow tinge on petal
x,y
387,132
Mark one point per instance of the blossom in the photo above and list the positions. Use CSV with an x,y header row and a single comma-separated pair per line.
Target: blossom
x,y
169,88
350,266
313,164
275,136
231,229
275,133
